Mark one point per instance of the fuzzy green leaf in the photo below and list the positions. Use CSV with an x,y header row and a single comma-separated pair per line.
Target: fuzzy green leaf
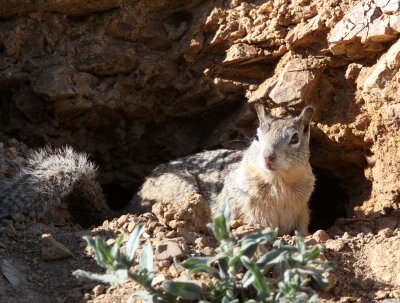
x,y
274,257
115,250
218,226
261,237
118,277
185,290
195,261
315,274
92,243
198,264
104,251
313,299
146,258
227,216
312,253
249,248
235,259
223,267
301,246
133,241
260,283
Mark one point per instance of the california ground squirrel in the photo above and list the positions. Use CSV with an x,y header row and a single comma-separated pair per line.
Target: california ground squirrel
x,y
53,177
273,182
269,184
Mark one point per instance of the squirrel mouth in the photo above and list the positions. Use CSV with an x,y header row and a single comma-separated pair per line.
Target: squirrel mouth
x,y
270,166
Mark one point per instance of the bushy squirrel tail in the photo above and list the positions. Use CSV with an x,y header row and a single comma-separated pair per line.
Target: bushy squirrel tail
x,y
51,177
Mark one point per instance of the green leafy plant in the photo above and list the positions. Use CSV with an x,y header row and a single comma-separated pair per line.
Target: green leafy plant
x,y
282,274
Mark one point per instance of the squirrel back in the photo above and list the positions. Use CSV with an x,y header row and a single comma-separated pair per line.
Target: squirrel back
x,y
202,173
50,178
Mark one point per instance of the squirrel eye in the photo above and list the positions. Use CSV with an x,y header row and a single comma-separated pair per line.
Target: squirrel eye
x,y
294,139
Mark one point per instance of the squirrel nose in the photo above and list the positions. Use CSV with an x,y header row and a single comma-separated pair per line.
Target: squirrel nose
x,y
270,158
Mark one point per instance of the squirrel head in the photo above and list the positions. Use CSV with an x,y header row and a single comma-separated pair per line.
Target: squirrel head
x,y
283,144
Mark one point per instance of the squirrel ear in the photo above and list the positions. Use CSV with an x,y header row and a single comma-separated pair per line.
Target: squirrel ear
x,y
306,116
260,109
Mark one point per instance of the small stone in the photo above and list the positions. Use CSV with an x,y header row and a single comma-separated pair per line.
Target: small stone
x,y
381,294
353,70
164,263
236,223
167,250
131,227
160,230
152,226
310,241
395,294
386,233
346,236
335,245
320,236
98,290
207,251
174,270
52,249
13,275
121,220
190,237
200,242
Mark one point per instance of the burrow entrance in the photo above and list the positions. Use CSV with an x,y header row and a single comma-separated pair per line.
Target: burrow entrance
x,y
340,182
329,200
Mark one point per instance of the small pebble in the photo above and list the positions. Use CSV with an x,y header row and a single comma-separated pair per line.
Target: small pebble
x,y
386,233
98,290
131,226
346,236
321,236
